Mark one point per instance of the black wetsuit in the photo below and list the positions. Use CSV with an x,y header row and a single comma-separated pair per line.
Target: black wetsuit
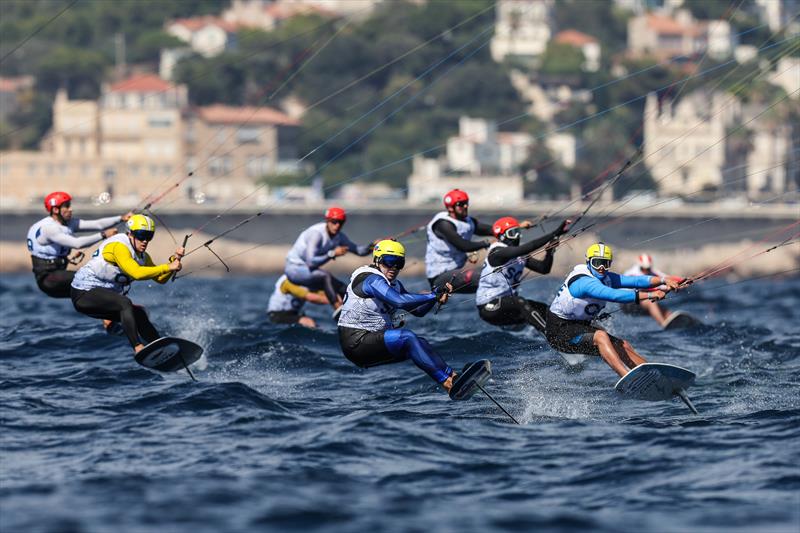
x,y
513,309
52,276
109,305
464,280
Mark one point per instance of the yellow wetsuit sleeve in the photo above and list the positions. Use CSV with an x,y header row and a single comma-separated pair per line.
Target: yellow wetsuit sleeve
x,y
298,291
118,254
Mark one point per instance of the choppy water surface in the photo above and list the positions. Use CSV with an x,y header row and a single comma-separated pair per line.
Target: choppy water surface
x,y
282,433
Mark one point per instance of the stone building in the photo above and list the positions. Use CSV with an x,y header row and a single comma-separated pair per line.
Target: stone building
x,y
140,137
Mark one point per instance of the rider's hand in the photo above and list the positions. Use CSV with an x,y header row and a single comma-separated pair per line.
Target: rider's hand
x,y
672,284
656,296
110,232
180,251
175,265
526,224
340,250
443,293
564,227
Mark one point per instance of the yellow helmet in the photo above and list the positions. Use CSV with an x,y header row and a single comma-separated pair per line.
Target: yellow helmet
x,y
141,223
600,250
388,247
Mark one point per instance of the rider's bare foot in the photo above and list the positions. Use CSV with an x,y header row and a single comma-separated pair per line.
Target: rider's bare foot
x,y
448,383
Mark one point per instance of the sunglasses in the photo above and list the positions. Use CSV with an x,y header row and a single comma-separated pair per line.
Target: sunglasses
x,y
392,261
512,233
143,235
336,222
597,262
65,204
461,204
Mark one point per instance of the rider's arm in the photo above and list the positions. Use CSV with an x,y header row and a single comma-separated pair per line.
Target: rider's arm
x,y
544,265
51,233
502,255
484,230
353,248
312,258
98,223
634,282
590,287
447,231
118,254
377,287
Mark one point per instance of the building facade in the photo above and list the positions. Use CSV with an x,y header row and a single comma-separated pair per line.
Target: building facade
x,y
664,37
140,138
522,29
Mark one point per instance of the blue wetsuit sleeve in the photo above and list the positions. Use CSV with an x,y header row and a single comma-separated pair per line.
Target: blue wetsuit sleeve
x,y
586,287
312,259
630,282
358,249
376,287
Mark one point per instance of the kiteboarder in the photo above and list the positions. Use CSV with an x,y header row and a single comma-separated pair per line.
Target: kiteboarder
x,y
367,334
287,301
100,286
497,298
584,294
318,244
644,267
449,241
52,239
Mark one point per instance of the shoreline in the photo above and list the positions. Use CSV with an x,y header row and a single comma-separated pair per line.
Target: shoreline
x,y
253,259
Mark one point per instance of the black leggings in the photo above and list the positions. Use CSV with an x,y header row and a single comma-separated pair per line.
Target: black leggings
x,y
56,283
512,310
464,281
109,305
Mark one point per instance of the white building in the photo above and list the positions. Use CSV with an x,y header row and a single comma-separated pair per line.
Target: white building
x,y
268,14
208,36
522,29
710,141
665,37
787,75
483,161
588,45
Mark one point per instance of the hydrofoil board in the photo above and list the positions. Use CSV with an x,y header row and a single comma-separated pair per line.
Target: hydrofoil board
x,y
169,354
656,382
679,319
471,379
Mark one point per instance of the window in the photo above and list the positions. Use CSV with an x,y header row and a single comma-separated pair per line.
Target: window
x,y
159,122
227,165
247,135
214,167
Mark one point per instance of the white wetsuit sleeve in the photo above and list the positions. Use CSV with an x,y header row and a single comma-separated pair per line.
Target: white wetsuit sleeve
x,y
51,233
98,224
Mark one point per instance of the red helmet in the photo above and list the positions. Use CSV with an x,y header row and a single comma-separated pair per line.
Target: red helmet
x,y
645,261
56,199
455,196
504,224
335,213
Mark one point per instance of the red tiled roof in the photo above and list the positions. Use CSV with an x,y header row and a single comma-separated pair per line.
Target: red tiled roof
x,y
141,83
198,23
574,37
11,85
222,114
662,24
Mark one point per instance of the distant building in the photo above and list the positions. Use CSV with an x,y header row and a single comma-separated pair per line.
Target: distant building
x,y
485,160
168,58
787,75
549,94
11,90
268,15
139,137
522,29
777,13
208,36
700,143
665,37
588,45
